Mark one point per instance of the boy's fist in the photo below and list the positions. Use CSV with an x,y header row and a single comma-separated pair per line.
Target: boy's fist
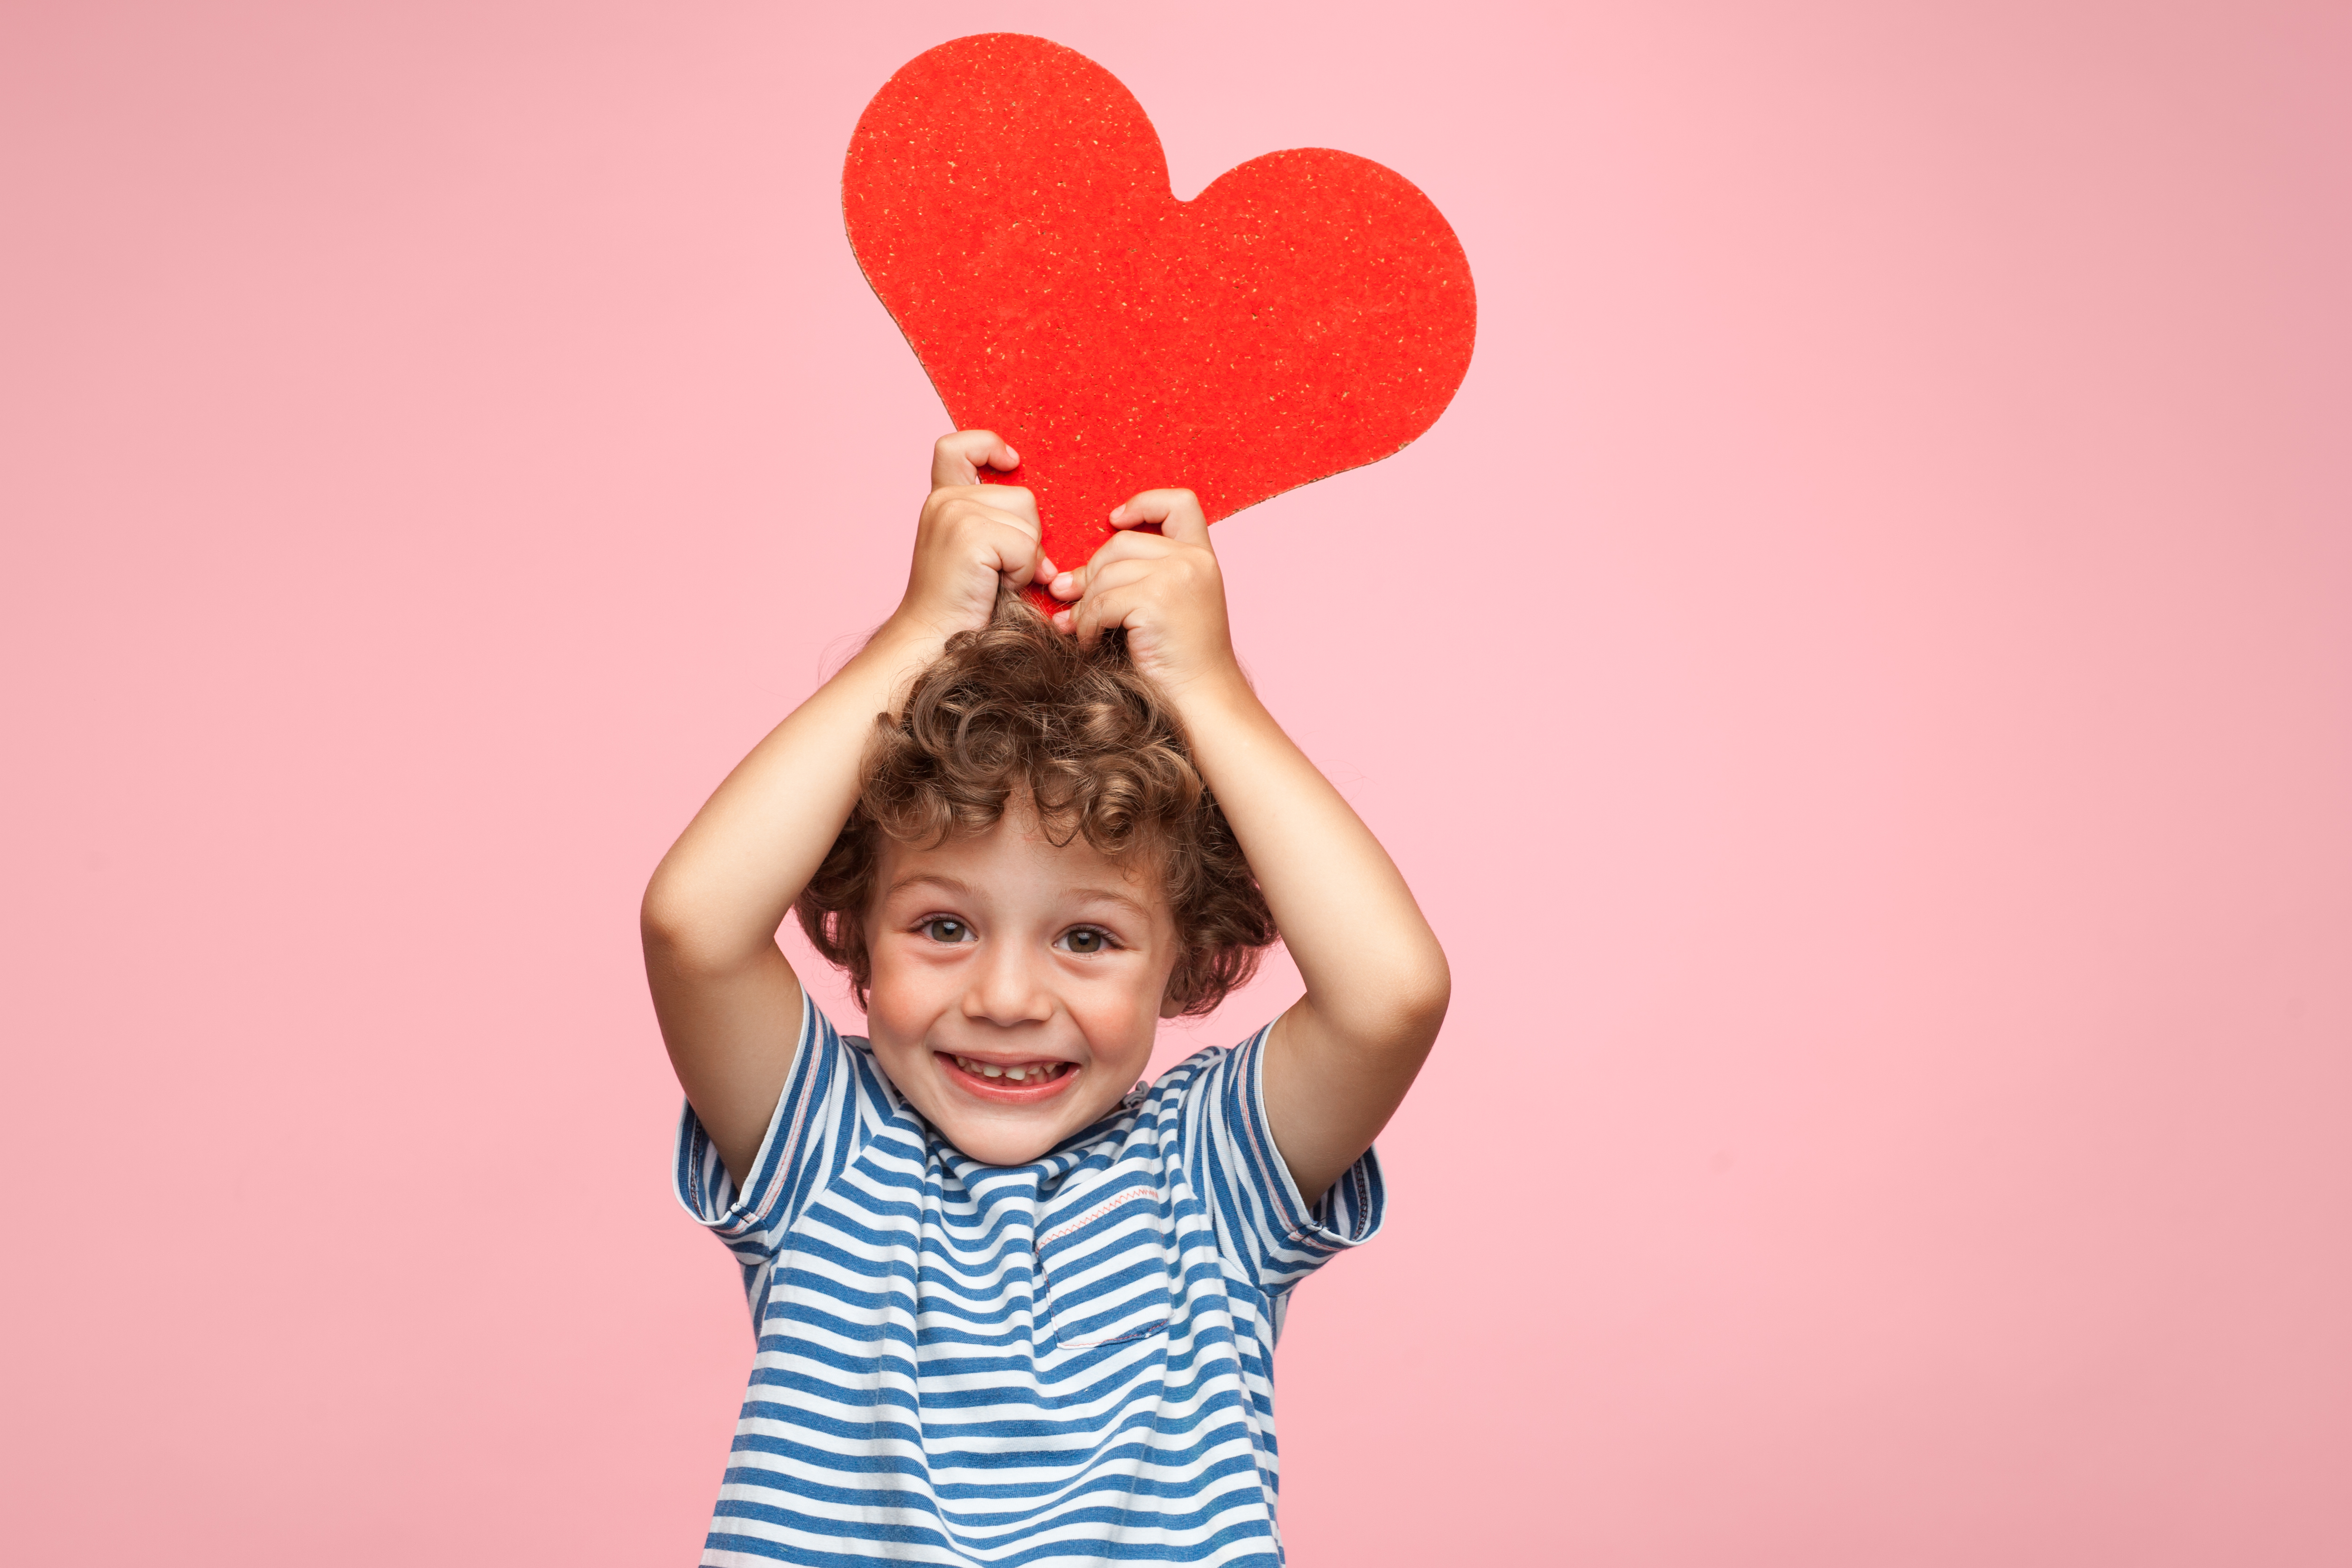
x,y
971,536
1163,588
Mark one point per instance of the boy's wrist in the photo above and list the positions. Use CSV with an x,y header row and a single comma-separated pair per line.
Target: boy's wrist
x,y
897,653
1216,697
907,630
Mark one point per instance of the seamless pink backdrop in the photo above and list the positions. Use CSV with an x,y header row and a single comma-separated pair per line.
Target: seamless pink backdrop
x,y
1887,809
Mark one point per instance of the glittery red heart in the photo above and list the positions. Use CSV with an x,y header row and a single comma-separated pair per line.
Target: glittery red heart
x,y
1308,312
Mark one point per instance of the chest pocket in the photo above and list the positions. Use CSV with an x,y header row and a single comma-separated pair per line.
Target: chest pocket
x,y
1104,1271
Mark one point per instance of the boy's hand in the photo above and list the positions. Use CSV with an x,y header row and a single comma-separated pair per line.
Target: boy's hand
x,y
1164,589
972,537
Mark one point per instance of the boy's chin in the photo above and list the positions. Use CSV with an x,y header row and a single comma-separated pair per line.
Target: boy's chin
x,y
1000,1146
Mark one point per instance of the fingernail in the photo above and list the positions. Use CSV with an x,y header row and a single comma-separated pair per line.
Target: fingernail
x,y
1014,456
1062,582
1117,513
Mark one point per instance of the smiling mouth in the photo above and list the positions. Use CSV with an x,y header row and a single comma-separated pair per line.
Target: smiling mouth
x,y
1014,1082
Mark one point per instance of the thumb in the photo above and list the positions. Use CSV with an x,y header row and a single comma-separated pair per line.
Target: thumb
x,y
957,459
1178,513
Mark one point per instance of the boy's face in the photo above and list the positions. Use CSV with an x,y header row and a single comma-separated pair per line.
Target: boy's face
x,y
1016,986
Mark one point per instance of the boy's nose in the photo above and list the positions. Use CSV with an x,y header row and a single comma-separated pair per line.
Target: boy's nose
x,y
1007,990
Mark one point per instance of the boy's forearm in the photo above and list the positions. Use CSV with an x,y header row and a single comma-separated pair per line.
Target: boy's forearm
x,y
727,885
1374,971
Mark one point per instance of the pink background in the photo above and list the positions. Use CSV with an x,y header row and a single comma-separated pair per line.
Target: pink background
x,y
1890,810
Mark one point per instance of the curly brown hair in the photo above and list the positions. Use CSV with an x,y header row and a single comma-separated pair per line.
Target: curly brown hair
x,y
1014,714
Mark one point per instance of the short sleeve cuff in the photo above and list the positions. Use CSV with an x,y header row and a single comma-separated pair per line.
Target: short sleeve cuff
x,y
1346,1214
705,1189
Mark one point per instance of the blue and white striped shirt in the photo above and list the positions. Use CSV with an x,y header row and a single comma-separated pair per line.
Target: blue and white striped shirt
x,y
1065,1362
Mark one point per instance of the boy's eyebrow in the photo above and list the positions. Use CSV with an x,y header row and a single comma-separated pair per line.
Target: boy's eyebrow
x,y
913,878
1107,895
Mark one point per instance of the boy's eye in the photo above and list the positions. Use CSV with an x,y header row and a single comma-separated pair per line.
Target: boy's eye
x,y
945,928
1085,939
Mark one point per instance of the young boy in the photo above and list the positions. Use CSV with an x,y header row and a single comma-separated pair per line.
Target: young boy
x,y
1010,1309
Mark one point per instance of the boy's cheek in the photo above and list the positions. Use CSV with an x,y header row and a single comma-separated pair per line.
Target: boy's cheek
x,y
1120,1028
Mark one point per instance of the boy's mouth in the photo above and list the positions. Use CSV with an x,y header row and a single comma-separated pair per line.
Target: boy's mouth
x,y
1008,1082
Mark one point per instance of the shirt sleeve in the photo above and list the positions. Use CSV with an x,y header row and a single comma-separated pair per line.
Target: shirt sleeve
x,y
1267,1225
808,1135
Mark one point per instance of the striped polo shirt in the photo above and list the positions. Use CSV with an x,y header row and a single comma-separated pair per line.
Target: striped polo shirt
x,y
1069,1361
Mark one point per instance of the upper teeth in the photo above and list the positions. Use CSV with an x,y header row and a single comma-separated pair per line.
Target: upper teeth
x,y
1040,1071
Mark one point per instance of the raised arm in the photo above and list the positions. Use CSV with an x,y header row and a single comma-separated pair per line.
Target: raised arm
x,y
728,1004
1339,1061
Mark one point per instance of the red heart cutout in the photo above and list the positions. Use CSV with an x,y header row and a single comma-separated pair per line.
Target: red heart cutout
x,y
1309,312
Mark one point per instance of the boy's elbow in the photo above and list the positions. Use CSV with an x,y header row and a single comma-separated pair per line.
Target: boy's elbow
x,y
660,912
1425,997
1404,1014
678,940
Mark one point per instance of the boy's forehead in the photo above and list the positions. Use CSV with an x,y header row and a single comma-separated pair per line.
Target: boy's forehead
x,y
1015,855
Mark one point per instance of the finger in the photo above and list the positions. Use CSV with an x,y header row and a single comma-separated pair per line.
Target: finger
x,y
1009,504
1178,513
1103,576
1010,549
1101,613
995,500
1071,583
1019,560
1018,500
1104,610
958,458
1007,540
